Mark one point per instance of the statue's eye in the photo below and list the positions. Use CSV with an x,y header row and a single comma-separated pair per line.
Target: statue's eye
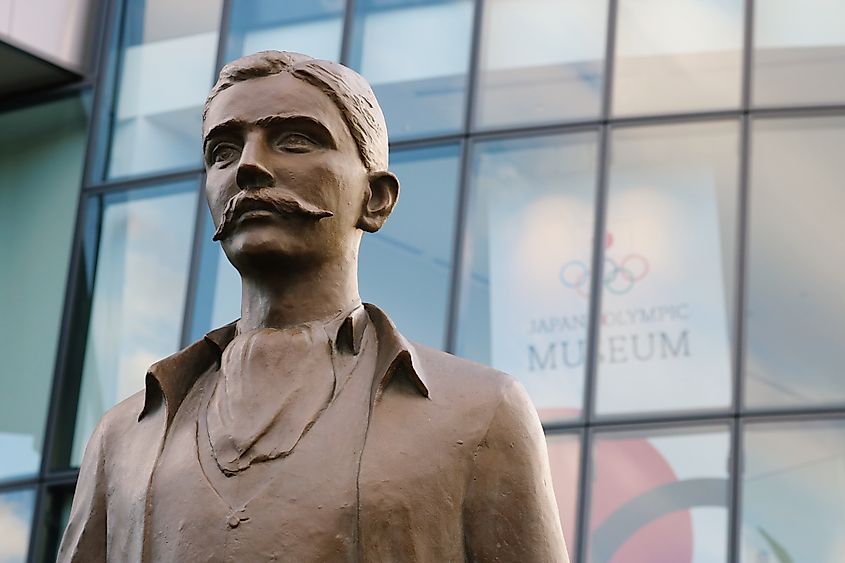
x,y
224,153
295,142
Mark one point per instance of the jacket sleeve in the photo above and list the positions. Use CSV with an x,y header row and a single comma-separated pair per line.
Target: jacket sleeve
x,y
510,513
85,536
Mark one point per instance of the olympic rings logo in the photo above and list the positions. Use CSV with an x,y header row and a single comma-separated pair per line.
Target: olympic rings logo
x,y
618,278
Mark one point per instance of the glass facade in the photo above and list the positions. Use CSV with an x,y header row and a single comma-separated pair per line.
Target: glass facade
x,y
304,26
670,235
531,206
16,512
143,245
166,67
791,356
535,53
676,56
659,495
427,97
799,52
412,254
622,203
793,477
37,214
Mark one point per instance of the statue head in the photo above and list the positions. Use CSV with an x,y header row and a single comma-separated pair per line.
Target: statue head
x,y
295,151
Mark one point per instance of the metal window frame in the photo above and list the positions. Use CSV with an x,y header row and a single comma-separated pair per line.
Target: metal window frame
x,y
199,219
60,378
53,479
594,325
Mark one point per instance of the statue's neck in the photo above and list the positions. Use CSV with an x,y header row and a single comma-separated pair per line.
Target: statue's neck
x,y
284,299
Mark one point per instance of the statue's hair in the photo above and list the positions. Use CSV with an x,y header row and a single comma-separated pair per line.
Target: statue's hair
x,y
345,87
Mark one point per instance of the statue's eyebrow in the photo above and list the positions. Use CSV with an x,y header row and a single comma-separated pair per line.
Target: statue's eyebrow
x,y
306,123
310,124
227,127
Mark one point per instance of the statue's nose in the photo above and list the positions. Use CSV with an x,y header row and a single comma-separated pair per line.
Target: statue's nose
x,y
253,176
252,173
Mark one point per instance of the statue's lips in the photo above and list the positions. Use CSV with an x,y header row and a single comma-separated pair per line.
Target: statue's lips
x,y
258,213
252,209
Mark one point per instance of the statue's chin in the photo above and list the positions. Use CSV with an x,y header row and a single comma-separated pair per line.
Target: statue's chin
x,y
259,245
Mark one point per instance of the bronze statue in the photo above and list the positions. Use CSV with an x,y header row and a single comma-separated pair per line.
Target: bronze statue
x,y
310,429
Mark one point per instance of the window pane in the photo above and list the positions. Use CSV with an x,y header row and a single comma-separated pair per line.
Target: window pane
x,y
415,54
795,309
41,155
565,459
660,496
667,296
793,492
16,511
303,26
166,69
410,256
541,61
531,214
217,301
138,297
406,268
677,56
56,510
799,52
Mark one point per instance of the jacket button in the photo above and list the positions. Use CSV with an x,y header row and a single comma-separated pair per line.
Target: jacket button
x,y
233,521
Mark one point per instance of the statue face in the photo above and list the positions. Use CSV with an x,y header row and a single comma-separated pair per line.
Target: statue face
x,y
285,180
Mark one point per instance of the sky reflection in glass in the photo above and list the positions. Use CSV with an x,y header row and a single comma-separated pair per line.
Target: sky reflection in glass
x,y
138,295
416,57
541,61
668,279
531,212
660,496
796,269
16,511
166,69
793,492
303,26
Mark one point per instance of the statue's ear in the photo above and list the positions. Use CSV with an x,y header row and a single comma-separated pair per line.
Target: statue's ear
x,y
379,200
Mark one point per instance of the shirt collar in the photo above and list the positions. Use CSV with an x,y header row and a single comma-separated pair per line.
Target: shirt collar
x,y
396,356
169,380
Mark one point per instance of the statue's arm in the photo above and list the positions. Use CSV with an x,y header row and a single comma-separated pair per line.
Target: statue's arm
x,y
85,536
510,513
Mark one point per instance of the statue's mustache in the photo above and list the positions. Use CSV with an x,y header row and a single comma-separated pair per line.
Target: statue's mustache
x,y
271,199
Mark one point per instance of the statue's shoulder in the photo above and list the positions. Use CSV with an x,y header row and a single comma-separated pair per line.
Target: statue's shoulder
x,y
454,375
485,403
115,429
453,383
123,417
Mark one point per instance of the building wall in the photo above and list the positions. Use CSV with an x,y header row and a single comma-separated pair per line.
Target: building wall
x,y
57,30
630,205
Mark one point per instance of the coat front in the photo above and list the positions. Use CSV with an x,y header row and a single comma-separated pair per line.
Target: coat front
x,y
454,464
